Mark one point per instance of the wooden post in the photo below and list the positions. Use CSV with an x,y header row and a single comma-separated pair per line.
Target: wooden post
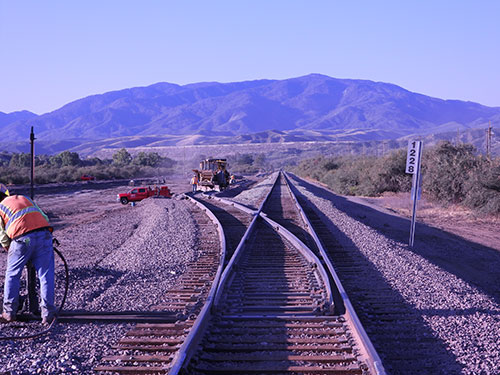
x,y
31,277
488,141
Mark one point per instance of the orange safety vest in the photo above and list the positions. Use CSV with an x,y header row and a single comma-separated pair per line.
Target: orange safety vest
x,y
194,180
21,215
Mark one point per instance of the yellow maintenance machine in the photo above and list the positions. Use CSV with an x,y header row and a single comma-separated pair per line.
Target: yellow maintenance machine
x,y
212,175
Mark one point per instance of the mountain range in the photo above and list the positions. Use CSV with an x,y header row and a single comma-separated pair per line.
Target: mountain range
x,y
308,108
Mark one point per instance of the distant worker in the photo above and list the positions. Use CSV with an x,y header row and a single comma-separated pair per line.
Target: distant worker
x,y
194,183
220,178
26,234
232,179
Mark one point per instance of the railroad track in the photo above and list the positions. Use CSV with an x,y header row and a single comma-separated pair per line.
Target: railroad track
x,y
394,327
274,310
149,348
234,218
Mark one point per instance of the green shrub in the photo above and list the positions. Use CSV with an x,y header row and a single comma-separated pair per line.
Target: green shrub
x,y
122,157
68,167
446,170
483,188
65,159
20,160
10,175
450,174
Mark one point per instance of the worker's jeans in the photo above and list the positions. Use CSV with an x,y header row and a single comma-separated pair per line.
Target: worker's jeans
x,y
37,248
194,188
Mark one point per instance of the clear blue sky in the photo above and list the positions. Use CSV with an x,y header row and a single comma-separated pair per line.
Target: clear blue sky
x,y
54,52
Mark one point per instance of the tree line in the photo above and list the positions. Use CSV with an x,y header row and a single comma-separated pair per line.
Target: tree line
x,y
247,163
451,174
68,166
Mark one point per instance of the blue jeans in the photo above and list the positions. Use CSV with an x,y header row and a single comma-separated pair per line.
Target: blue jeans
x,y
37,248
194,188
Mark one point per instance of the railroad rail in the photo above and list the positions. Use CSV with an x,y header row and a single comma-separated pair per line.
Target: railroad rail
x,y
272,312
275,303
234,218
394,327
149,348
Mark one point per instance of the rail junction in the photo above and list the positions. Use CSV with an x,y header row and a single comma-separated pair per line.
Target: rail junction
x,y
262,298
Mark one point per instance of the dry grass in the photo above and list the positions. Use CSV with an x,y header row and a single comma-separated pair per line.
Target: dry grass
x,y
452,218
402,204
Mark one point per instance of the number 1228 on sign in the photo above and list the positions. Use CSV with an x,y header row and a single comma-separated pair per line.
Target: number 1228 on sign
x,y
412,156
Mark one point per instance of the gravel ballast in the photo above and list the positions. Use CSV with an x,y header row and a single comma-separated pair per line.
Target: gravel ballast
x,y
460,316
125,258
124,261
253,197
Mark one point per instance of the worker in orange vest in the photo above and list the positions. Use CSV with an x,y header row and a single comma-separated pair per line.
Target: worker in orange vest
x,y
26,234
194,183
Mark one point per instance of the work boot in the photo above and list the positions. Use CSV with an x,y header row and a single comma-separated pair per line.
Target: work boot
x,y
48,319
8,317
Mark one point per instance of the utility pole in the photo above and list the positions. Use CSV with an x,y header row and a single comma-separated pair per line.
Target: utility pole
x,y
488,141
32,177
31,277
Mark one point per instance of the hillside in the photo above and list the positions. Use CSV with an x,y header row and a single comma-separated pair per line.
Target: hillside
x,y
20,116
313,103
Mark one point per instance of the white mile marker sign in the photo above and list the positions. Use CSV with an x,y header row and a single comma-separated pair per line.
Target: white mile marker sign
x,y
413,158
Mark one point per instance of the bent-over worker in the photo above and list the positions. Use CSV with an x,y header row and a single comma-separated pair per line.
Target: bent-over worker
x,y
26,234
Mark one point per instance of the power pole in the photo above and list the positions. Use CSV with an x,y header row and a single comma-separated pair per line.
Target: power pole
x,y
488,141
32,176
33,305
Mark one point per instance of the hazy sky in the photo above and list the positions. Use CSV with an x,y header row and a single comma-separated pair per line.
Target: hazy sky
x,y
54,52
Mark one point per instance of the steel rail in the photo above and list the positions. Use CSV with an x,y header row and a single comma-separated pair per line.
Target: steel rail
x,y
368,350
186,350
308,254
198,328
227,274
269,194
239,206
224,341
368,353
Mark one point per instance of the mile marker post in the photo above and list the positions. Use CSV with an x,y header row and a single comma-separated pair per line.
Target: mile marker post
x,y
413,159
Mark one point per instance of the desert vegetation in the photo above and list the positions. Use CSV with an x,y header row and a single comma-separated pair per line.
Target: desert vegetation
x,y
451,174
68,166
247,163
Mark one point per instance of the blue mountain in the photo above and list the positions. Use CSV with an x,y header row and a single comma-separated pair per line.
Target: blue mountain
x,y
310,103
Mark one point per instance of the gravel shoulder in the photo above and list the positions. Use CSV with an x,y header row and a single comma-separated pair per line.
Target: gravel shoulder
x,y
121,258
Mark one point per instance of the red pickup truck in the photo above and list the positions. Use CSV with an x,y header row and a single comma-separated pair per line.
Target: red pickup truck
x,y
140,193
